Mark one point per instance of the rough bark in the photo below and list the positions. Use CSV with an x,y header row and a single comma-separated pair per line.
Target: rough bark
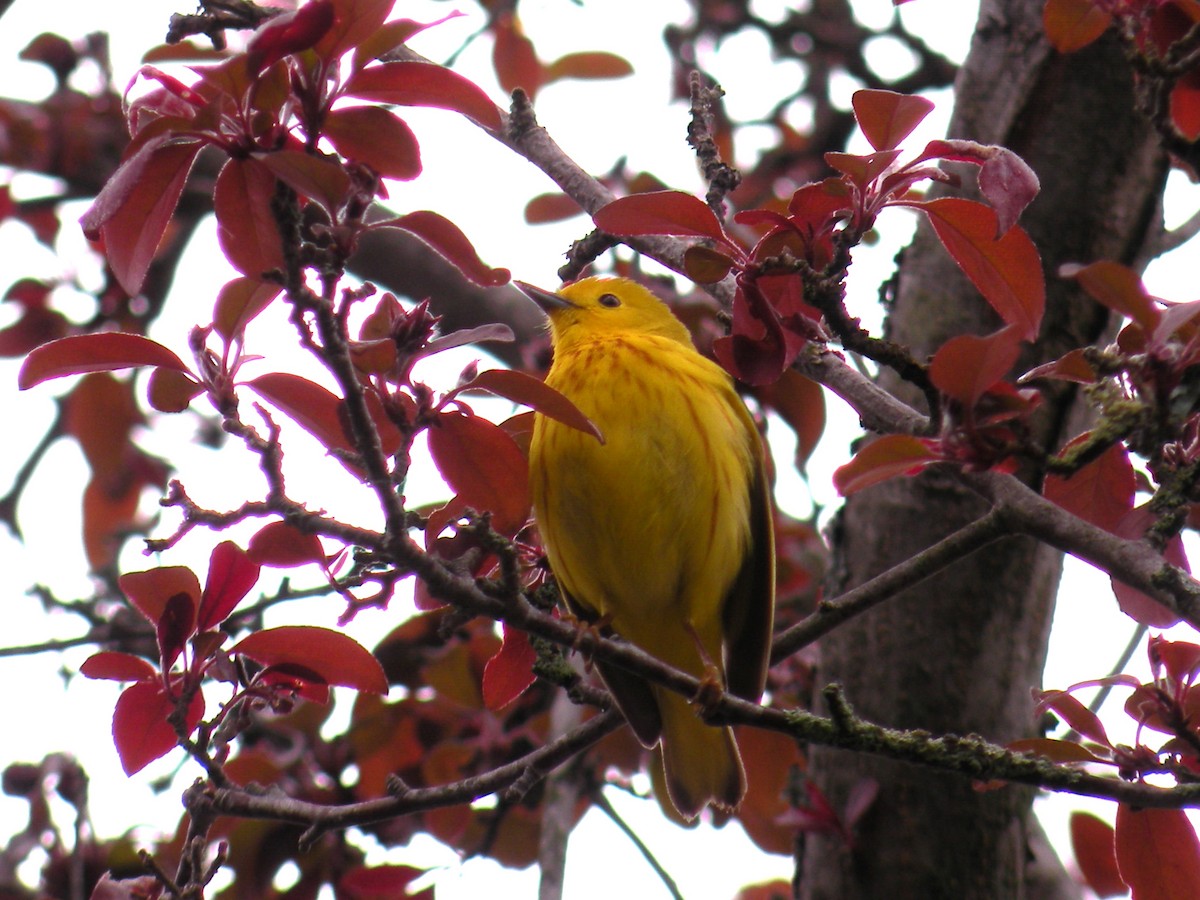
x,y
961,652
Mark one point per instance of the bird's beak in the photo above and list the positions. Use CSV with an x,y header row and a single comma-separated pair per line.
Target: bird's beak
x,y
547,300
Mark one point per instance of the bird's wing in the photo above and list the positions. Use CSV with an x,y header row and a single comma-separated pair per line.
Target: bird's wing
x,y
632,694
750,604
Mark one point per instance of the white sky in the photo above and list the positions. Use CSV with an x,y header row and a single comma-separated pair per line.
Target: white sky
x,y
596,122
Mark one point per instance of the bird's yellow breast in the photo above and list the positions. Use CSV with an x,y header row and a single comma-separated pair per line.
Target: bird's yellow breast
x,y
654,522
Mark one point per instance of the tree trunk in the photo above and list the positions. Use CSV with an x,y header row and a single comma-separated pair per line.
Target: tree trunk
x,y
961,652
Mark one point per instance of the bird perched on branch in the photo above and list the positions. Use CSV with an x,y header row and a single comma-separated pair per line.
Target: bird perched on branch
x,y
662,533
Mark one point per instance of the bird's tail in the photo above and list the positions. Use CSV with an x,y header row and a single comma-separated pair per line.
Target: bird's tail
x,y
701,762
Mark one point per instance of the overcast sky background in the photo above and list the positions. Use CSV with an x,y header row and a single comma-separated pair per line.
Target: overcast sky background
x,y
483,188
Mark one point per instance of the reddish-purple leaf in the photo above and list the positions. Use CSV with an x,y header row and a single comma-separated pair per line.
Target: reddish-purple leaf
x,y
281,545
705,265
1072,366
1157,853
1120,289
1075,714
390,35
514,57
318,411
1007,271
424,84
1004,178
175,625
337,658
483,465
131,213
887,457
1093,842
150,591
1055,750
377,137
1073,24
660,212
966,366
380,882
1136,604
509,673
1185,105
588,64
238,302
321,179
447,239
104,352
141,732
1101,492
246,226
115,666
887,118
357,22
862,169
171,391
288,33
231,574
529,391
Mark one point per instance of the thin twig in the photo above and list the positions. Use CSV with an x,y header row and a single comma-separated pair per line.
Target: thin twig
x,y
831,613
607,808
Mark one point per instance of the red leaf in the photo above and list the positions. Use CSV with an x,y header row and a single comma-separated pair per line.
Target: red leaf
x,y
1157,853
318,178
381,882
376,137
337,658
289,33
966,366
1072,366
1134,603
705,265
282,546
1185,105
131,213
484,466
1101,492
1055,750
141,732
1075,714
887,118
170,391
514,57
509,673
246,226
238,302
115,666
529,391
862,169
448,240
357,23
175,625
588,64
660,212
231,574
1093,842
1073,24
800,402
1120,289
424,84
318,411
150,591
1007,271
887,457
105,352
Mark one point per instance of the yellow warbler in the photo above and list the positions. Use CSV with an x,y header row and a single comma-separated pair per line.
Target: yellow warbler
x,y
663,532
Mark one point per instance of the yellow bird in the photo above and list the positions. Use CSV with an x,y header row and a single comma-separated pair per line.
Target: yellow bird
x,y
663,532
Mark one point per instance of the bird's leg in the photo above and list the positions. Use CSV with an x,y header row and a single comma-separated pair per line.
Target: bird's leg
x,y
712,682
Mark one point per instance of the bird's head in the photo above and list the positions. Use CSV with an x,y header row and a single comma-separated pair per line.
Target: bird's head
x,y
593,307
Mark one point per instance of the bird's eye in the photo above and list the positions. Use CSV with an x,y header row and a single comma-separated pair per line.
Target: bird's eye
x,y
610,300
